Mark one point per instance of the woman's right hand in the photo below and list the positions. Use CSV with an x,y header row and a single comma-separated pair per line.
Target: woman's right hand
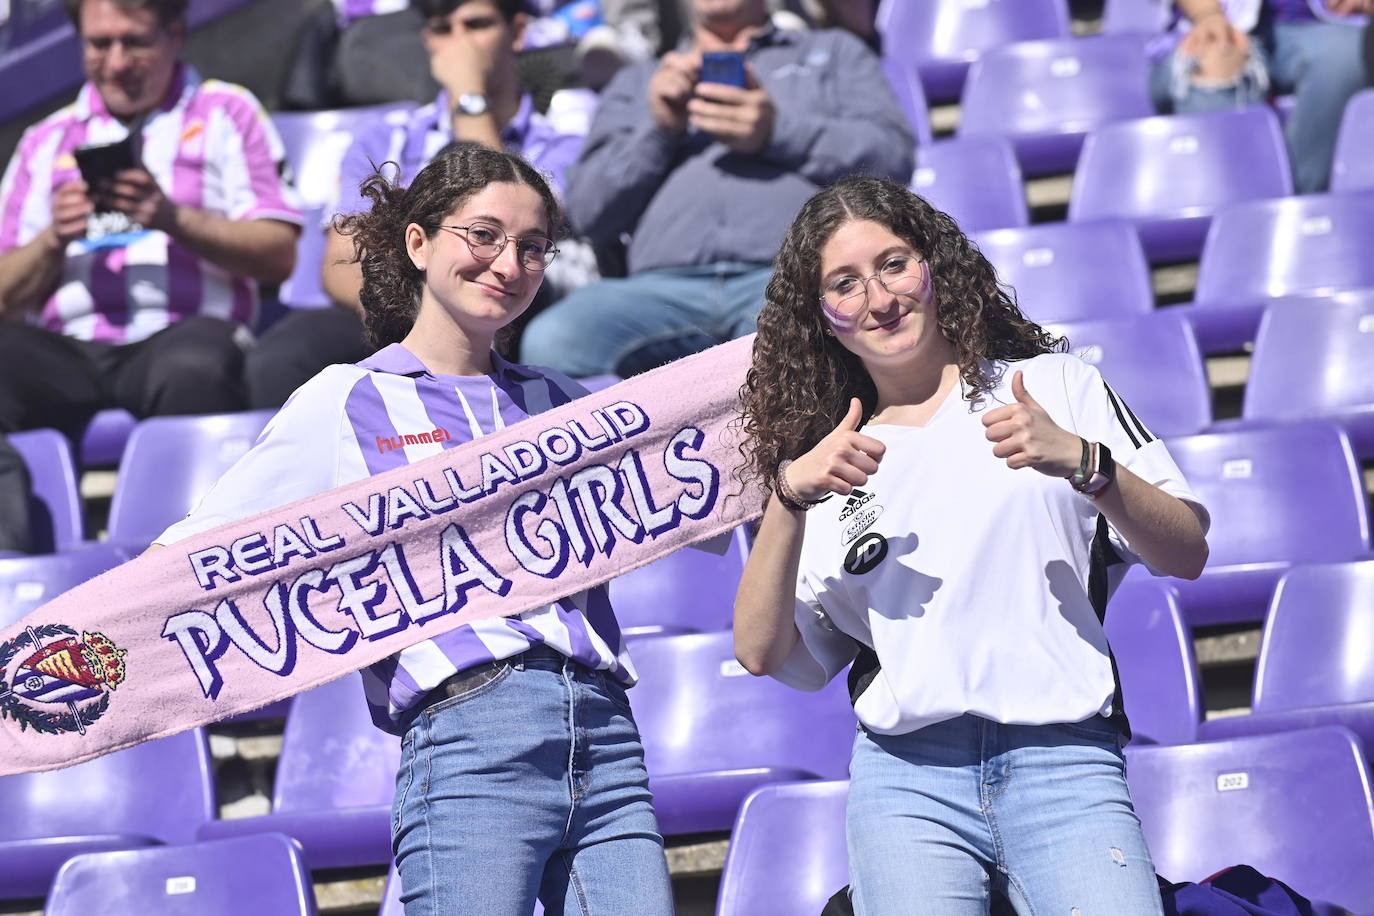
x,y
841,461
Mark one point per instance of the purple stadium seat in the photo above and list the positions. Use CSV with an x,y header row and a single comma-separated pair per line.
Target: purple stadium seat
x,y
1072,271
260,874
336,778
1160,685
169,464
28,582
1140,17
55,506
712,732
391,897
1314,359
1046,95
975,181
688,591
1316,659
787,852
303,289
906,86
1153,362
103,441
945,36
1278,495
316,142
1170,174
1314,246
1296,806
1353,168
599,382
152,793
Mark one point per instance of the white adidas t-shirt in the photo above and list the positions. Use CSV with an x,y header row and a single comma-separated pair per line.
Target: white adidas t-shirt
x,y
968,579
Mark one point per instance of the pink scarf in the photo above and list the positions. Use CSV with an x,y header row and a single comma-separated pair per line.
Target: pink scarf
x,y
188,635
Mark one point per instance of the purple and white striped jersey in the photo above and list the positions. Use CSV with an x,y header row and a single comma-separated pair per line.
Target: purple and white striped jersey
x,y
349,10
350,422
210,146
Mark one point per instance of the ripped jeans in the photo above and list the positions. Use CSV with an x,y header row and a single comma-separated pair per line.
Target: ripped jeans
x,y
941,817
1318,62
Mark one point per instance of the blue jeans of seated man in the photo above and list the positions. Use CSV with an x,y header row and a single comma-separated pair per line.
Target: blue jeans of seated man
x,y
1317,61
530,782
941,816
628,325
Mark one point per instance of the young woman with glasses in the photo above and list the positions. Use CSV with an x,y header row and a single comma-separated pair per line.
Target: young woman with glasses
x,y
953,500
522,774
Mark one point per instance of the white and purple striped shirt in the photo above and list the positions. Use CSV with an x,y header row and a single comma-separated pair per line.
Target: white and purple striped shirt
x,y
210,146
349,10
351,422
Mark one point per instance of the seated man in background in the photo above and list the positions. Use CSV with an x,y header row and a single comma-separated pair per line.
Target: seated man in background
x,y
146,281
1238,52
472,46
705,177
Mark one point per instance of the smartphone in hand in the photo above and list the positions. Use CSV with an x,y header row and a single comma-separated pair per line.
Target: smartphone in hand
x,y
724,67
99,163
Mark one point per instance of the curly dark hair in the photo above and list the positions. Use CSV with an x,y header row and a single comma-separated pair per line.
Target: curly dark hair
x,y
802,378
391,282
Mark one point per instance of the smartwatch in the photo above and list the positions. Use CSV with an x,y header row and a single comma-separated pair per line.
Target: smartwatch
x,y
1103,472
471,103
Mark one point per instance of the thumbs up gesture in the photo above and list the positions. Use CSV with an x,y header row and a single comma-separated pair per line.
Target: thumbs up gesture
x,y
839,462
1026,437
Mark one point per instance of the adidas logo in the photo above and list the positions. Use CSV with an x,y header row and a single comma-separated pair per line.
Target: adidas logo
x,y
856,499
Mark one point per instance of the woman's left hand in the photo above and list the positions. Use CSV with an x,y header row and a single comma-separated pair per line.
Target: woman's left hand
x,y
1027,438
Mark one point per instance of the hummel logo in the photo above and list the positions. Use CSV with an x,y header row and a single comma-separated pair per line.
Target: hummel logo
x,y
856,499
396,443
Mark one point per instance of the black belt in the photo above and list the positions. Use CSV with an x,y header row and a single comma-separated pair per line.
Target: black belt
x,y
460,682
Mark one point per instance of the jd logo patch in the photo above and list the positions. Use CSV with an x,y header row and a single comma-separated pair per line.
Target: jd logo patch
x,y
56,669
866,554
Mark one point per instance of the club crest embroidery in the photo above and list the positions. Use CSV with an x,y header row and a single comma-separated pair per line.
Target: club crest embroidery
x,y
53,681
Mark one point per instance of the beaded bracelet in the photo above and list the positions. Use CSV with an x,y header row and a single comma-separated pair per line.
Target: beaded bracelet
x,y
786,495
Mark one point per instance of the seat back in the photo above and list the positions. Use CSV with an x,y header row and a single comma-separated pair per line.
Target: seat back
x,y
1286,493
976,181
1352,168
943,36
905,81
304,288
1170,174
162,789
1072,271
1295,805
1317,648
699,711
55,501
787,852
332,756
1316,244
26,583
316,141
1046,95
1336,335
1153,647
688,591
1154,364
263,873
169,463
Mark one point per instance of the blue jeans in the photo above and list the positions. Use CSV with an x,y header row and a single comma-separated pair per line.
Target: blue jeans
x,y
1317,61
528,782
941,816
629,325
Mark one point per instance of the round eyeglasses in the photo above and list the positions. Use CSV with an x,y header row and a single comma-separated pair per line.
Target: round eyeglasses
x,y
487,241
902,275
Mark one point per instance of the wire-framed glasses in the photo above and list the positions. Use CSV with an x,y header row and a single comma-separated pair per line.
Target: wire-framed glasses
x,y
487,241
900,275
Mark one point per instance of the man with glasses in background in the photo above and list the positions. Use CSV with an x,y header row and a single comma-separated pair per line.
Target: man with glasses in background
x,y
135,284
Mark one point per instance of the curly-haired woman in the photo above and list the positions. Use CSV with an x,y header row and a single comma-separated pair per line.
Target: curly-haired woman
x,y
953,500
522,772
